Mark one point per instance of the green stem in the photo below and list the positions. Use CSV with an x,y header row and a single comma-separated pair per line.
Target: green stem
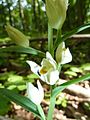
x,y
58,38
59,68
41,112
50,40
51,107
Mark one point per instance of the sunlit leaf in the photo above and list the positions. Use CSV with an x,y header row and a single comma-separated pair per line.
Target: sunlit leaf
x,y
11,87
21,87
71,73
75,69
86,67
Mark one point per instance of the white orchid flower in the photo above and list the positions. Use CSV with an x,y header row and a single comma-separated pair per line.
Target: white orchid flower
x,y
63,54
47,72
36,95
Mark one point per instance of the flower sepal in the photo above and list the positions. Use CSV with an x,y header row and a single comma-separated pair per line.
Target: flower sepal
x,y
35,94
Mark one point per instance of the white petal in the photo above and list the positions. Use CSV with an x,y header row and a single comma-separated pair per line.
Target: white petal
x,y
66,56
34,67
41,91
44,78
54,76
50,58
35,94
32,93
63,46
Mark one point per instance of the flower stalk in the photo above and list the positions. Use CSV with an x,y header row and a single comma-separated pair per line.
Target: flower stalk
x,y
51,107
50,40
49,69
58,38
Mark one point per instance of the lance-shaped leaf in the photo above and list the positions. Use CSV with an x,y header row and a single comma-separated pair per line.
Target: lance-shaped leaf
x,y
20,49
70,33
57,90
20,100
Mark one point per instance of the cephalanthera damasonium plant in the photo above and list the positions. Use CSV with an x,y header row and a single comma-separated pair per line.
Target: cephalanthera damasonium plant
x,y
49,69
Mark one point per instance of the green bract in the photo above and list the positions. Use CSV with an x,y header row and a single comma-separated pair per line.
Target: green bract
x,y
56,12
18,37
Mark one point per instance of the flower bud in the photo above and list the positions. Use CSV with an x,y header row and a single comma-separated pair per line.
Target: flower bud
x,y
63,54
18,37
56,12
